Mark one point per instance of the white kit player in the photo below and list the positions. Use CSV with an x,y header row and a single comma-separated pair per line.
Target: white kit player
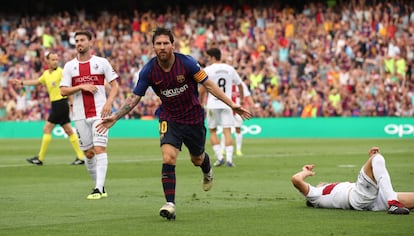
x,y
238,121
84,77
219,114
372,190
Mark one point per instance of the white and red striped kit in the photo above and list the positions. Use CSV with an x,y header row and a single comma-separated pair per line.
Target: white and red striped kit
x,y
96,71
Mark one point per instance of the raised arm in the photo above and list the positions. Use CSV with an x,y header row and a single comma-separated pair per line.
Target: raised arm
x,y
298,179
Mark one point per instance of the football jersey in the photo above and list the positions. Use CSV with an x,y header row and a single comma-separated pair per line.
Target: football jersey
x,y
177,88
224,76
96,71
334,195
52,82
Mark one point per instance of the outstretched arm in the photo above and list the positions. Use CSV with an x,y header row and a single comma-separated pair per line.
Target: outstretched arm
x,y
34,82
298,179
218,93
129,104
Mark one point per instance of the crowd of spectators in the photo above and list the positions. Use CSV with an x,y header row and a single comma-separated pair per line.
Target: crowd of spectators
x,y
347,58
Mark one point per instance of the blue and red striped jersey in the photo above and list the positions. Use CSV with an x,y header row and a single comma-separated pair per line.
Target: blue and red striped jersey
x,y
177,89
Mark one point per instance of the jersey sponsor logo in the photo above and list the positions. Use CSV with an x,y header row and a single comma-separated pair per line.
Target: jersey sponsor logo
x,y
400,130
180,79
87,79
175,91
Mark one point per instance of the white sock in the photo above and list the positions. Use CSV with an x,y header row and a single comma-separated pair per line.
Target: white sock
x,y
91,167
222,142
229,153
382,177
101,167
217,150
239,140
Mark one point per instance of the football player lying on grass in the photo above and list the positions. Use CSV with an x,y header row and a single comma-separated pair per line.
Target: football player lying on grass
x,y
372,190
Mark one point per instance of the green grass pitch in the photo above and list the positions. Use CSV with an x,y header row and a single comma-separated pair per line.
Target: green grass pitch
x,y
254,198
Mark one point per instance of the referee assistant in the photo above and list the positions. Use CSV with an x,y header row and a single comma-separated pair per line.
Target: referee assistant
x,y
59,113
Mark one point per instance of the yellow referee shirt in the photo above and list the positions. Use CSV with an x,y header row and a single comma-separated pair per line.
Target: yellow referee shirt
x,y
52,82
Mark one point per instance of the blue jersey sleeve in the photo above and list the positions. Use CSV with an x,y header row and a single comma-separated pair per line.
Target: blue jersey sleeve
x,y
143,81
194,69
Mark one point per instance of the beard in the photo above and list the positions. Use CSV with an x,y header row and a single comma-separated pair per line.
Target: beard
x,y
82,50
164,56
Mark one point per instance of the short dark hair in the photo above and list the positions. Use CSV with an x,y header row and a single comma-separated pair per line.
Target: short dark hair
x,y
214,52
86,33
162,31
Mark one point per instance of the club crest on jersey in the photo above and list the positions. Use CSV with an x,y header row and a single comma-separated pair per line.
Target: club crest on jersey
x,y
180,78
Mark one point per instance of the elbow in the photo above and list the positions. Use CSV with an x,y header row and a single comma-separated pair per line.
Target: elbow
x,y
63,92
299,183
293,179
296,180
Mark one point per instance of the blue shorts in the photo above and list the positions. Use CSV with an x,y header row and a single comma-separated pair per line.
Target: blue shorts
x,y
193,136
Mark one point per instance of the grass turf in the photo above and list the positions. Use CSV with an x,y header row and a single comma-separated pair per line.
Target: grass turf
x,y
253,198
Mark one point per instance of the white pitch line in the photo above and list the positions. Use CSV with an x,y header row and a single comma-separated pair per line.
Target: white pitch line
x,y
347,166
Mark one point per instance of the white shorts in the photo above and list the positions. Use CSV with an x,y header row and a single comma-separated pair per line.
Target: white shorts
x,y
88,136
238,121
220,117
366,195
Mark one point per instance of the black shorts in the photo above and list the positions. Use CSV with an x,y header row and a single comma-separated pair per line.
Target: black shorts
x,y
193,136
59,113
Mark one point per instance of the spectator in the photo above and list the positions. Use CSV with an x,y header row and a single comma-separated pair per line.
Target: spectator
x,y
328,45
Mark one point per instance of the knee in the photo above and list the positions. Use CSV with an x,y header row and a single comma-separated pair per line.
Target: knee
x,y
378,159
197,161
68,130
47,129
89,153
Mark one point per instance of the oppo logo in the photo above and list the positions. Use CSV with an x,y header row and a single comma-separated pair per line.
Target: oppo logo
x,y
400,130
251,129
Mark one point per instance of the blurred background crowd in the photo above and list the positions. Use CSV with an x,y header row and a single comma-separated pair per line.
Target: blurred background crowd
x,y
348,58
